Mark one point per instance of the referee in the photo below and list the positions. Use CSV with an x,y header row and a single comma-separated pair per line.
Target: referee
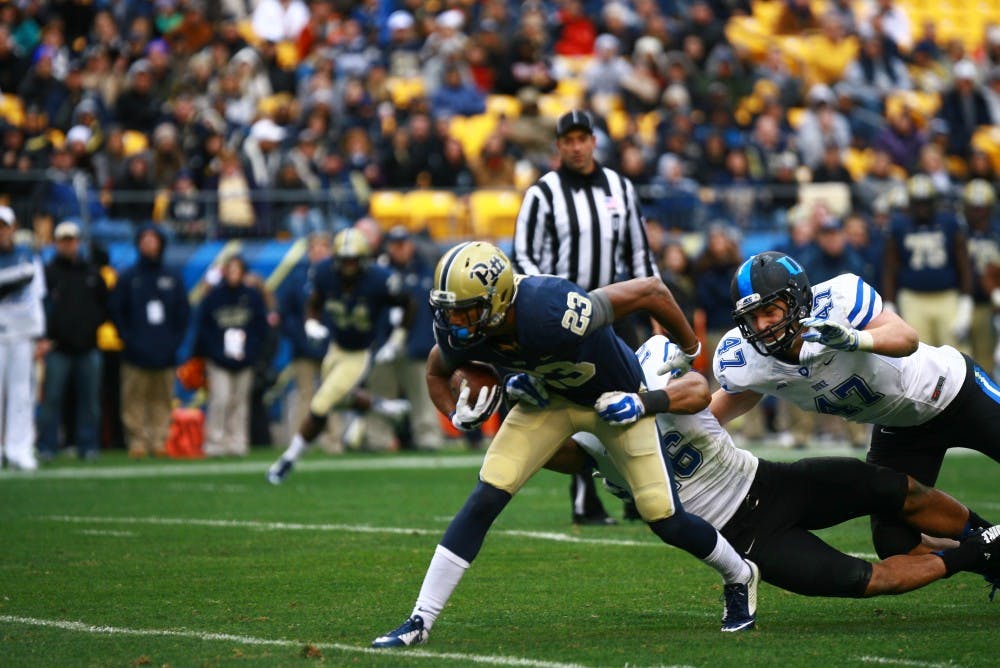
x,y
582,222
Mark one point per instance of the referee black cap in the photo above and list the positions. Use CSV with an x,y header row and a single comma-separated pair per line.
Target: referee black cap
x,y
574,120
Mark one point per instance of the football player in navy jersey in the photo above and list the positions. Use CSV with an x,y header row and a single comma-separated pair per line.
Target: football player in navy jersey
x,y
832,348
979,214
349,295
561,339
926,268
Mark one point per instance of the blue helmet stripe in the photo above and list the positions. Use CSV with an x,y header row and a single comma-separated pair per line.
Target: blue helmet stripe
x,y
743,278
448,259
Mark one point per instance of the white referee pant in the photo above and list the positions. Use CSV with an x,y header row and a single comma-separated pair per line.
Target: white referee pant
x,y
17,401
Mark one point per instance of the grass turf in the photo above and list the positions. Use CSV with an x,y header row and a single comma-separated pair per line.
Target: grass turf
x,y
204,564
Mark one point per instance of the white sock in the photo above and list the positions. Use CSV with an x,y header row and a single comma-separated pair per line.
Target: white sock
x,y
443,575
295,448
727,561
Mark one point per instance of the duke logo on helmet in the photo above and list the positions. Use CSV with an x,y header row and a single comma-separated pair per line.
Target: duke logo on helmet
x,y
765,279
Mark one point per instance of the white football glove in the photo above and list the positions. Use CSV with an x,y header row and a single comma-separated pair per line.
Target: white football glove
x,y
470,418
316,330
392,348
834,335
676,362
526,388
963,318
620,408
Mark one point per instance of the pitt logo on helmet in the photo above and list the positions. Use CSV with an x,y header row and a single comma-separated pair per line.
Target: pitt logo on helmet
x,y
473,287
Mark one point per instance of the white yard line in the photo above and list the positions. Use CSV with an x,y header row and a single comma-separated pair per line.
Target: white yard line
x,y
201,468
461,657
889,661
346,528
394,463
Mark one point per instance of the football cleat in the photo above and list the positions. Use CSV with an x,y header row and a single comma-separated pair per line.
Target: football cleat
x,y
987,542
740,612
410,632
279,471
601,520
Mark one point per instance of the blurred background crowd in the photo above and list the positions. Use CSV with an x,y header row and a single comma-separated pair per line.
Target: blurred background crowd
x,y
804,125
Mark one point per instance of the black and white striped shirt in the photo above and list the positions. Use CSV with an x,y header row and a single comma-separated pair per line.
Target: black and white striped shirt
x,y
585,228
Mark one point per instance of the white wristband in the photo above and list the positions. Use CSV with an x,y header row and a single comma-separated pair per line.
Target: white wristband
x,y
865,341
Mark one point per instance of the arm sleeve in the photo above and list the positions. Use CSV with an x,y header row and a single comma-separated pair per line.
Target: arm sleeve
x,y
530,232
602,313
859,300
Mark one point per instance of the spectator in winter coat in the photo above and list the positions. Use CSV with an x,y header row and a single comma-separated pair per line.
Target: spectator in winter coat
x,y
76,305
232,326
149,307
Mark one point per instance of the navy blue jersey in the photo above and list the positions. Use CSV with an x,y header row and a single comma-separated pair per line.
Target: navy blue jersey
x,y
984,250
551,342
353,312
926,253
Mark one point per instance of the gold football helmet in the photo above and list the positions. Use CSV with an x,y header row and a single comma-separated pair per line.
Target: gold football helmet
x,y
979,193
351,252
473,288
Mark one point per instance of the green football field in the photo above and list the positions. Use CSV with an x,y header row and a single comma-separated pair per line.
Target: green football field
x,y
166,563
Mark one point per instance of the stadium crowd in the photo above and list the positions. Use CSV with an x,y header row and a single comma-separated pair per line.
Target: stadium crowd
x,y
820,122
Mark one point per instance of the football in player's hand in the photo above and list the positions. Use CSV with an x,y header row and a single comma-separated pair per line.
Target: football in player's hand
x,y
478,375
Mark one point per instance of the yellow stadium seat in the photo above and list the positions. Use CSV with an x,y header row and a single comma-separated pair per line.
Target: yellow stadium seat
x,y
12,109
472,131
134,142
618,124
503,105
554,106
389,208
287,55
857,161
160,204
402,89
437,211
796,116
493,213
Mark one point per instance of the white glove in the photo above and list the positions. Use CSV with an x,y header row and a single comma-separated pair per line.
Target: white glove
x,y
677,362
470,418
316,330
526,388
963,318
392,348
834,335
620,408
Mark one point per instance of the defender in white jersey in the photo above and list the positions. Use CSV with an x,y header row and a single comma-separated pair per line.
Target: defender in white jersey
x,y
768,510
831,348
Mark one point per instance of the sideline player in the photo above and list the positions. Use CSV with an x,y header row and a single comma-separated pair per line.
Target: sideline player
x,y
832,348
768,510
562,335
352,295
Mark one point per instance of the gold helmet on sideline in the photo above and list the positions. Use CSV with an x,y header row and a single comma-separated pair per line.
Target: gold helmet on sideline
x,y
470,275
351,252
979,193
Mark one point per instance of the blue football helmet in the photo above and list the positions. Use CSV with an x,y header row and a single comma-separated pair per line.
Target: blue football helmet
x,y
767,278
